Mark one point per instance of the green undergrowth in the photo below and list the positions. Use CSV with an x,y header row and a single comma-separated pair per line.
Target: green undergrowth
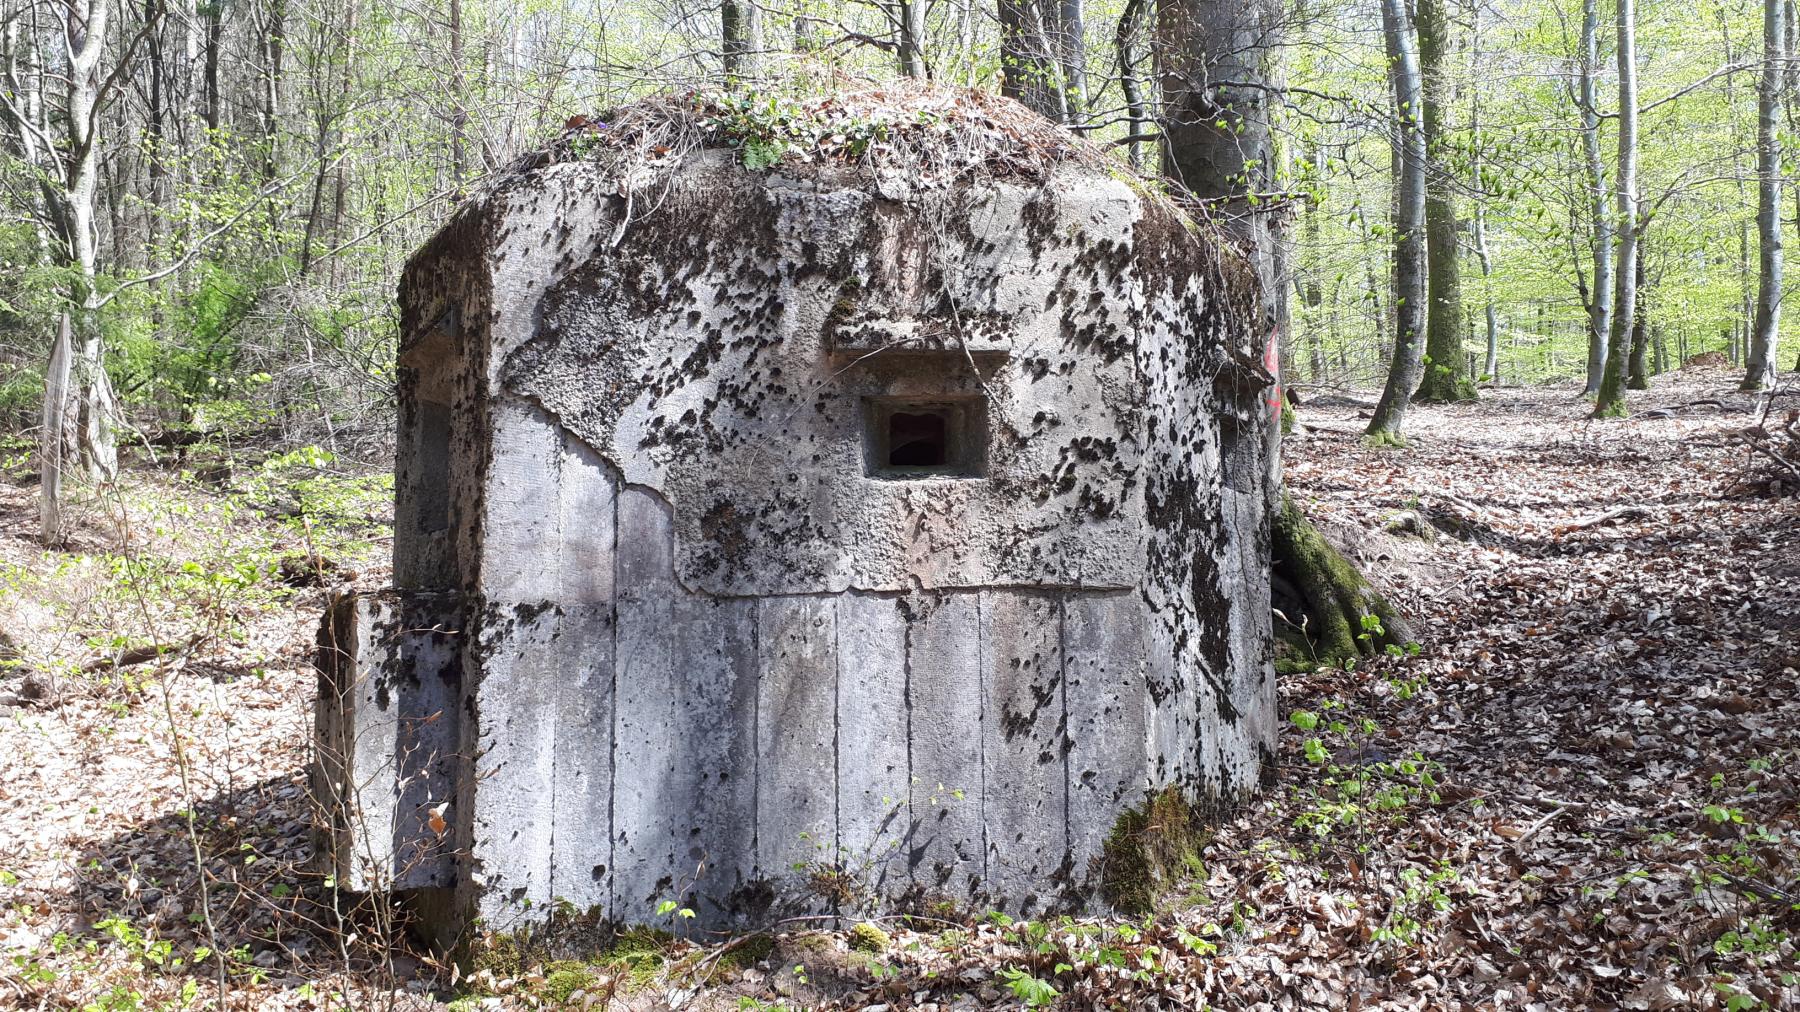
x,y
768,126
167,560
1356,789
595,960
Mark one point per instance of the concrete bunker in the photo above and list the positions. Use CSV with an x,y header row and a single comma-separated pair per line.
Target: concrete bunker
x,y
860,533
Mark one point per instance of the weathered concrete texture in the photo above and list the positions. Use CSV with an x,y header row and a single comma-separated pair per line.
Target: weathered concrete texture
x,y
721,641
388,736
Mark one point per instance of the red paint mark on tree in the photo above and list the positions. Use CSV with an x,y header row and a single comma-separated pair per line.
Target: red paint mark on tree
x,y
1272,362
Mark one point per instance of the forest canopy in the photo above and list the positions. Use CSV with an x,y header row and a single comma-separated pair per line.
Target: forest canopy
x,y
229,188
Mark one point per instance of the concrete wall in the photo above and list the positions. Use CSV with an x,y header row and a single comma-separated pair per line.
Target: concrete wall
x,y
758,756
707,655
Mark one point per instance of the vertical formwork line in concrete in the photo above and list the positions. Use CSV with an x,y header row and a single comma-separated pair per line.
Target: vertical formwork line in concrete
x,y
761,644
837,756
612,743
1068,744
756,651
906,696
981,684
555,671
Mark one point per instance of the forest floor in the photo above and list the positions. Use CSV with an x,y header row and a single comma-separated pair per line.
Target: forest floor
x,y
1579,793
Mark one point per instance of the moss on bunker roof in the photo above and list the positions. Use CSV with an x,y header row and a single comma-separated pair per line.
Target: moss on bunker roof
x,y
932,133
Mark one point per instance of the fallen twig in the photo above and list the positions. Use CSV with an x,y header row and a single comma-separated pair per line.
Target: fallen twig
x,y
1757,891
1620,513
139,655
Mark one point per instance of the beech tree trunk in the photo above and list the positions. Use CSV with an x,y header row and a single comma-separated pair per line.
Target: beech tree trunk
x,y
1638,374
1446,376
1031,69
911,48
213,15
1071,37
1611,401
78,399
1312,292
1599,306
1408,363
1137,110
459,109
741,27
53,437
1765,330
1216,60
273,43
1491,366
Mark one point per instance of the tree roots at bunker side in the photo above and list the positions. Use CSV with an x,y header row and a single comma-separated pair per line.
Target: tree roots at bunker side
x,y
1332,613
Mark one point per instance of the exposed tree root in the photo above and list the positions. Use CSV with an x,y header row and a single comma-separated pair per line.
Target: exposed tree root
x,y
1340,615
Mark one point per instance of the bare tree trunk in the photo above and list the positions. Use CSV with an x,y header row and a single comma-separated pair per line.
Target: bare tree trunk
x,y
274,41
1611,401
1312,292
53,449
1071,37
1409,225
459,103
1137,110
741,24
213,14
1765,332
1491,365
1637,375
87,35
76,385
1030,69
340,191
1446,376
1215,60
1601,248
912,38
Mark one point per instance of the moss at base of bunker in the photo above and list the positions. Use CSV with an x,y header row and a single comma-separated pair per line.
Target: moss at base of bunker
x,y
1149,847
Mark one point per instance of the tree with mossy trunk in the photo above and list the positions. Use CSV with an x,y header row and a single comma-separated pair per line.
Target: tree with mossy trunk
x,y
1638,372
1408,364
1446,367
1339,616
1218,143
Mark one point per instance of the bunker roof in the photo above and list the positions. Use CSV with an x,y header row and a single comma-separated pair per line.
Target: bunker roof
x,y
936,133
